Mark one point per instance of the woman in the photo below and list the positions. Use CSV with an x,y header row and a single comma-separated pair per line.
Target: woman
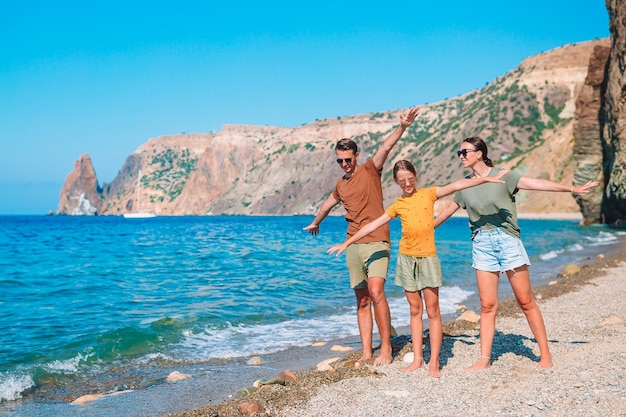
x,y
496,243
418,269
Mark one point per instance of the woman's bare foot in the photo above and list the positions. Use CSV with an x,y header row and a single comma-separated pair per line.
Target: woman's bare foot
x,y
544,363
434,372
417,364
483,363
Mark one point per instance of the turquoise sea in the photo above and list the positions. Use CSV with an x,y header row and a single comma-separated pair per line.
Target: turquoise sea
x,y
106,304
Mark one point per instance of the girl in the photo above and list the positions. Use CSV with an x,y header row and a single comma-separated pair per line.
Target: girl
x,y
418,268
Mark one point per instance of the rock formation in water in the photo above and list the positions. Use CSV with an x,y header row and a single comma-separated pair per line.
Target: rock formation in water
x,y
81,194
614,128
588,150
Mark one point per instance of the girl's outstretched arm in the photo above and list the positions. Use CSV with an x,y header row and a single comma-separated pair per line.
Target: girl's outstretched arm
x,y
446,213
366,230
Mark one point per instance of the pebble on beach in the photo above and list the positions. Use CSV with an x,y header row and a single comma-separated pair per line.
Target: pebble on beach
x,y
469,315
570,269
325,365
250,407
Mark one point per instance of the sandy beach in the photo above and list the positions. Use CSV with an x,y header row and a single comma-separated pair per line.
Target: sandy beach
x,y
585,317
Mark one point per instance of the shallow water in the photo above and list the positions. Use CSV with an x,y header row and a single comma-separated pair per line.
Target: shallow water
x,y
104,304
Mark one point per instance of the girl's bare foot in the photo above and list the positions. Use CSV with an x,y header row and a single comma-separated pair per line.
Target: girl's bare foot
x,y
417,364
483,363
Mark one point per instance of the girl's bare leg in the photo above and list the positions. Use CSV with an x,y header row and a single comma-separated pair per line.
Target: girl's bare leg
x,y
417,329
431,299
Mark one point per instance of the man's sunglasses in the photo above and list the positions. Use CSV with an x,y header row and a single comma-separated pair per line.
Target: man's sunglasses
x,y
464,152
346,160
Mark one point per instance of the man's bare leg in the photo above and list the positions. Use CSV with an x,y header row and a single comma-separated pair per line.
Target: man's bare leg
x,y
376,288
365,321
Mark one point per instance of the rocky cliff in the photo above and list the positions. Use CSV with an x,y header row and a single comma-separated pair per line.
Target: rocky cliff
x,y
614,124
588,148
526,116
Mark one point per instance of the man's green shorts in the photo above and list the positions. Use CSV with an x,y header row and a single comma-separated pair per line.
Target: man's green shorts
x,y
416,273
367,260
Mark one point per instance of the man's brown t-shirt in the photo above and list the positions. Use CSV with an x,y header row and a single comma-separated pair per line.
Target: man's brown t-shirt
x,y
362,197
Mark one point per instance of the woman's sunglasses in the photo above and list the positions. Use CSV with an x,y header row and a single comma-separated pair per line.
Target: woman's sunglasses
x,y
464,152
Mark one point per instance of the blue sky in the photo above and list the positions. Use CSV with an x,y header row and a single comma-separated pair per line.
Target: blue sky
x,y
103,77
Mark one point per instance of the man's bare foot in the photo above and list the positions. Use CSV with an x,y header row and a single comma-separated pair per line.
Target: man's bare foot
x,y
417,364
434,372
483,363
544,364
382,360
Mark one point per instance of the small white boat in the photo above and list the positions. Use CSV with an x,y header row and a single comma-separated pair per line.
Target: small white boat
x,y
139,214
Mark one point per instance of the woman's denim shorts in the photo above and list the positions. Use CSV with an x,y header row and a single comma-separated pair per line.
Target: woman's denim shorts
x,y
496,250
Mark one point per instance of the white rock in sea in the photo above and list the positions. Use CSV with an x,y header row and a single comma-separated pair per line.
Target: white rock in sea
x,y
87,399
319,344
177,376
339,348
408,358
255,360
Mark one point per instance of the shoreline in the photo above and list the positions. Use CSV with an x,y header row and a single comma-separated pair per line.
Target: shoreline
x,y
583,340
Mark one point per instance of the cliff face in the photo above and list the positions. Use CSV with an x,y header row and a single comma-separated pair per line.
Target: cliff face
x,y
526,116
614,132
588,149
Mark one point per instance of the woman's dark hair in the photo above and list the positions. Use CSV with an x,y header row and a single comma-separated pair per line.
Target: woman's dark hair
x,y
346,145
480,145
403,165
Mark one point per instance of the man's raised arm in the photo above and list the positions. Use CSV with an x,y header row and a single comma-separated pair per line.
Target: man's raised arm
x,y
383,152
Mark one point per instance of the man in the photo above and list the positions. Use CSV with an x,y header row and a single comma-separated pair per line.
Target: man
x,y
360,191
